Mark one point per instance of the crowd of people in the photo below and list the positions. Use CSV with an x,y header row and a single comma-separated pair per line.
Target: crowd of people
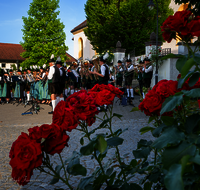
x,y
54,83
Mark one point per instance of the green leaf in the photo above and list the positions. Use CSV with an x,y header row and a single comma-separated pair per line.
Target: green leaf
x,y
196,158
156,132
194,93
85,181
101,144
168,120
114,141
109,171
73,162
143,153
77,169
143,143
112,178
81,141
181,81
184,162
117,115
135,186
146,129
58,168
193,79
151,119
133,163
134,109
187,66
147,186
180,63
54,180
192,122
173,180
88,149
169,136
176,153
197,59
171,102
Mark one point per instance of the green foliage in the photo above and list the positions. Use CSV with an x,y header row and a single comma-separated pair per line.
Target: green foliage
x,y
43,33
130,22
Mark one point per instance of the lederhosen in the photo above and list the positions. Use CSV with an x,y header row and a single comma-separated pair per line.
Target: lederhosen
x,y
140,80
104,80
62,80
128,77
147,78
53,84
119,77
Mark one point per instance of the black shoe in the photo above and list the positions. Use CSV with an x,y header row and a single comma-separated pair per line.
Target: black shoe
x,y
132,98
51,112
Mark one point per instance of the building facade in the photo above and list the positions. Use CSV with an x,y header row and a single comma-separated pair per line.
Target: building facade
x,y
83,48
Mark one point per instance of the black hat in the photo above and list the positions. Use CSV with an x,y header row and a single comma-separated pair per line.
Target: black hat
x,y
146,59
10,70
1,72
59,62
19,70
91,62
141,62
119,61
102,59
128,60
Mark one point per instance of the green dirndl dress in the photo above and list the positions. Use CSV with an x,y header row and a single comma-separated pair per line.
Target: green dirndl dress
x,y
17,90
40,90
45,94
36,90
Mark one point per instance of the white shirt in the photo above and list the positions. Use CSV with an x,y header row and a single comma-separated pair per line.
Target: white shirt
x,y
150,68
103,70
130,68
43,75
51,72
61,72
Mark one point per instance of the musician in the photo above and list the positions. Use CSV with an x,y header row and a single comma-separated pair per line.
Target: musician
x,y
6,88
45,95
62,79
93,81
111,79
139,71
40,76
12,83
53,81
119,74
30,84
104,72
74,78
148,72
128,79
19,88
1,83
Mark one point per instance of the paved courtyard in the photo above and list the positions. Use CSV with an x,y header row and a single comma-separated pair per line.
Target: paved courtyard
x,y
12,123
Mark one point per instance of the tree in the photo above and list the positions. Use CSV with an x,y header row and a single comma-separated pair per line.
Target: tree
x,y
127,21
194,5
43,33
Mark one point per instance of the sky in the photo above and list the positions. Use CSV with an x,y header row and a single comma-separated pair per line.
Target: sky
x,y
71,14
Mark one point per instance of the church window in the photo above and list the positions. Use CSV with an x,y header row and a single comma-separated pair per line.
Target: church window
x,y
80,46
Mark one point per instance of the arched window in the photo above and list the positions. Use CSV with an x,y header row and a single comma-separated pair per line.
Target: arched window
x,y
80,47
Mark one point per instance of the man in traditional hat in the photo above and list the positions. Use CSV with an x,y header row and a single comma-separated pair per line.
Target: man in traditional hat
x,y
128,80
53,81
104,72
62,80
147,72
119,74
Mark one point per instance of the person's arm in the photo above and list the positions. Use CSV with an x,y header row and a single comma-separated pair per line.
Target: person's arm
x,y
131,67
149,69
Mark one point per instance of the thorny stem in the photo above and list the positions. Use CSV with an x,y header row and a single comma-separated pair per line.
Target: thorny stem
x,y
63,167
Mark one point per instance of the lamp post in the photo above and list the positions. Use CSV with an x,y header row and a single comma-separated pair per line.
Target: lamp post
x,y
151,6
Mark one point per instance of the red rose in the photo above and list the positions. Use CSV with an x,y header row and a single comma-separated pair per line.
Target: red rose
x,y
56,143
152,104
82,104
25,155
22,177
90,121
167,88
35,133
198,103
64,117
104,97
47,130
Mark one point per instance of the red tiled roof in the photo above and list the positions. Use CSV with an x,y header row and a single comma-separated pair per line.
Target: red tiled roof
x,y
11,52
80,26
71,59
